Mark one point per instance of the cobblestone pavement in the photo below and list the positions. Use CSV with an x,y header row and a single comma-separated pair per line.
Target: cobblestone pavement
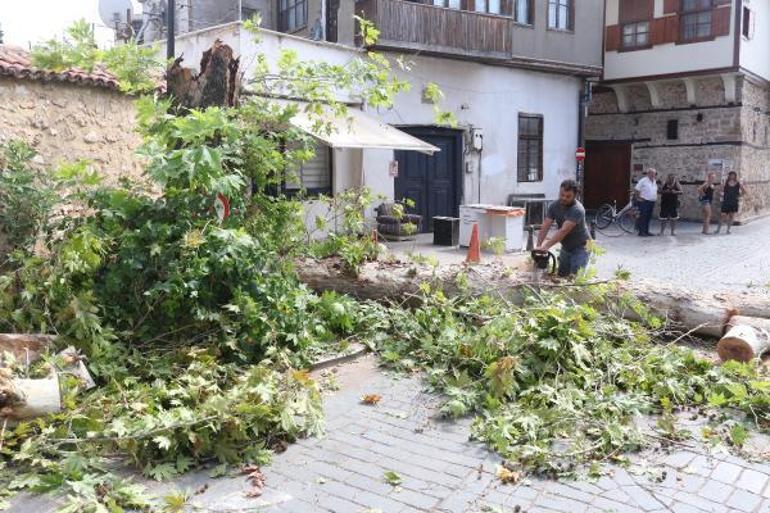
x,y
443,472
738,262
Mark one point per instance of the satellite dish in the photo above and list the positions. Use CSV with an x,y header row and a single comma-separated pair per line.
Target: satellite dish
x,y
113,12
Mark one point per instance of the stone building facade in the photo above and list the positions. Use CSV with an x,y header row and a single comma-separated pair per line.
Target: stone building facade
x,y
68,116
685,89
714,134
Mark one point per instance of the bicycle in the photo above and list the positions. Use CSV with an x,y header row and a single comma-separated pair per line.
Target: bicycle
x,y
608,213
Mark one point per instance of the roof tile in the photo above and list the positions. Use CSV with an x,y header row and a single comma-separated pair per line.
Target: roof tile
x,y
16,62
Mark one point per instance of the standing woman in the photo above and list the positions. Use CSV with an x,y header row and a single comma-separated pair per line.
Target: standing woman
x,y
706,197
669,203
732,191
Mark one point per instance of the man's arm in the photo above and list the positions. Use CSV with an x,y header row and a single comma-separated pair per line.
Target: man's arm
x,y
559,235
543,233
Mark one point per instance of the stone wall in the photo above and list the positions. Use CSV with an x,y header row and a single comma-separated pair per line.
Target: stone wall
x,y
712,134
66,122
755,161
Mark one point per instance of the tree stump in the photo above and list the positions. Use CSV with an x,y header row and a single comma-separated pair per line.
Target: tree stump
x,y
746,338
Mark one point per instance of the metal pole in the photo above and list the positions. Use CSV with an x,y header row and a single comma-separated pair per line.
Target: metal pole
x,y
171,29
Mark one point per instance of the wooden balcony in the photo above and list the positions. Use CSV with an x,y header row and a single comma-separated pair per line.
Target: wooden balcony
x,y
435,30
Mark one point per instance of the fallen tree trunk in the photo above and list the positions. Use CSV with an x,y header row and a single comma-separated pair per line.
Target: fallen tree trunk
x,y
28,398
747,338
702,314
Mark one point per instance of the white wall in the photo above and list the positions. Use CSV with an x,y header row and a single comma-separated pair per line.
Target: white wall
x,y
491,98
755,52
481,96
670,58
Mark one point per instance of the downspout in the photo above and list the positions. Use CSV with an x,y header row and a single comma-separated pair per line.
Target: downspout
x,y
585,98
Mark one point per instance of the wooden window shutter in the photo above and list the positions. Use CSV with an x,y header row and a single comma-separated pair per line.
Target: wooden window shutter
x,y
720,23
670,6
635,10
658,29
612,38
672,29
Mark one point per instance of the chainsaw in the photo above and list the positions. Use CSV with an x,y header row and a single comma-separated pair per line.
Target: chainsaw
x,y
542,258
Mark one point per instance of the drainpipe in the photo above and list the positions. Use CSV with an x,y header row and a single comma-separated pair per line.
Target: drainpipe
x,y
585,99
170,36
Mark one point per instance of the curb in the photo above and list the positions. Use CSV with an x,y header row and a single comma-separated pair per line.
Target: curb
x,y
358,351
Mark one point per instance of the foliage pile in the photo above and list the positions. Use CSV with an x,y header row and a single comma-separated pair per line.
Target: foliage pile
x,y
557,385
193,328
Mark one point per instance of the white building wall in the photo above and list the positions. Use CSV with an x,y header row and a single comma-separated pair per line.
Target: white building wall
x,y
481,96
491,98
755,52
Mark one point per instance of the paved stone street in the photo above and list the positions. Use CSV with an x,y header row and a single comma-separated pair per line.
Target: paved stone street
x,y
443,472
738,262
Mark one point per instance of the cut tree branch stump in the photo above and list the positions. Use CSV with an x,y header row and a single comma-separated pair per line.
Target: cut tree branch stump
x,y
218,83
25,348
746,338
703,314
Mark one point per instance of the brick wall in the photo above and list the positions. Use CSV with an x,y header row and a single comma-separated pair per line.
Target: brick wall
x,y
65,122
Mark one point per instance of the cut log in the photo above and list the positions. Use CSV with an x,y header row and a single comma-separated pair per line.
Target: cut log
x,y
24,348
28,398
217,84
703,314
746,338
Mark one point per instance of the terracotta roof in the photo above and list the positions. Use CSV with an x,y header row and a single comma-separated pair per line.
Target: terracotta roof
x,y
16,62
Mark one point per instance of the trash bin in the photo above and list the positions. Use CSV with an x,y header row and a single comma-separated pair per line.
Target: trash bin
x,y
446,231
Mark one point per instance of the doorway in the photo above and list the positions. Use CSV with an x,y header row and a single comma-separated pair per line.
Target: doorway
x,y
432,182
607,173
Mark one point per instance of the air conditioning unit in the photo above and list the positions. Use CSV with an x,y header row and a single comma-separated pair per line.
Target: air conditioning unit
x,y
535,204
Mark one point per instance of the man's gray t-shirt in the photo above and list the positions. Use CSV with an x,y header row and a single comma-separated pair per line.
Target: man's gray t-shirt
x,y
578,236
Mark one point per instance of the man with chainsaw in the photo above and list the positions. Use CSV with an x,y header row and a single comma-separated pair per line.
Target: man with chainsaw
x,y
570,217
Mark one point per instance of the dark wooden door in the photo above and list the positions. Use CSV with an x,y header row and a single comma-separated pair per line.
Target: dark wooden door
x,y
432,181
332,17
607,173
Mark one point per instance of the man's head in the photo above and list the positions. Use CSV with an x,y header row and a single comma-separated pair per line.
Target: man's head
x,y
652,173
568,192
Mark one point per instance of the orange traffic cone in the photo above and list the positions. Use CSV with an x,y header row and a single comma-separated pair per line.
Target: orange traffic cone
x,y
474,249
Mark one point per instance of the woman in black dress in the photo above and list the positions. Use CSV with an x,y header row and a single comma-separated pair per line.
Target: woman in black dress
x,y
732,191
669,203
705,198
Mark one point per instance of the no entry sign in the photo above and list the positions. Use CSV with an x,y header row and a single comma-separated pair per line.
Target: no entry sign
x,y
580,154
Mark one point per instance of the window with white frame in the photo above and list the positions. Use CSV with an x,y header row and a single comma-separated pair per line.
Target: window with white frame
x,y
636,34
696,19
560,14
488,6
292,15
522,11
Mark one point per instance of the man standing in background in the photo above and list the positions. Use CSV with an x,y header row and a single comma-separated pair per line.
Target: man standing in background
x,y
646,195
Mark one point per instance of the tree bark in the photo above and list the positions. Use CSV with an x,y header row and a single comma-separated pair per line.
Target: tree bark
x,y
217,84
25,348
747,338
702,314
